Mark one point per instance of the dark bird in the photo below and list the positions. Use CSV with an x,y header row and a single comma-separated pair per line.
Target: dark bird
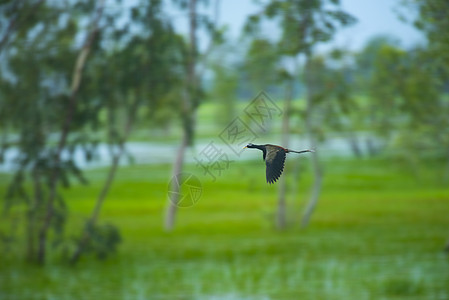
x,y
274,157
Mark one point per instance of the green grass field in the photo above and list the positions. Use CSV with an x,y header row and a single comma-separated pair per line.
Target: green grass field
x,y
377,233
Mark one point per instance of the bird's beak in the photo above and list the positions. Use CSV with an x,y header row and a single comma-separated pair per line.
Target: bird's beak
x,y
245,147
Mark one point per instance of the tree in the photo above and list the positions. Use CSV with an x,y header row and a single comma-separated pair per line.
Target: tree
x,y
224,89
40,97
432,20
304,24
374,91
190,99
189,104
120,77
147,78
73,98
407,107
261,65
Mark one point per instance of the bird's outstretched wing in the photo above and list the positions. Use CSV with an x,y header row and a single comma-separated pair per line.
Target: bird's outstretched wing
x,y
275,163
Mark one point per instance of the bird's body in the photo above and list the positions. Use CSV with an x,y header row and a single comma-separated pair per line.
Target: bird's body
x,y
274,157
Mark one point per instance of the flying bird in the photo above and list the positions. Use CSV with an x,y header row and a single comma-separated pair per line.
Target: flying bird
x,y
274,157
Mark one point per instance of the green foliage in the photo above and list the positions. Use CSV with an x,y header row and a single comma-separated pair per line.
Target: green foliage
x,y
425,91
365,60
101,240
303,24
224,92
393,94
433,19
407,102
125,70
261,64
36,97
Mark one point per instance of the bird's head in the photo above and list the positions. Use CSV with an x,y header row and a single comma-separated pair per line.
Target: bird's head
x,y
250,145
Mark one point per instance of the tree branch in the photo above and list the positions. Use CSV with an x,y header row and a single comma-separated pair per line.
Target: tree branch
x,y
109,179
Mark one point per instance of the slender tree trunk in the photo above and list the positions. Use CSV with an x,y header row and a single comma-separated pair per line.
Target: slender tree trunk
x,y
446,172
355,147
174,188
372,149
31,216
281,221
98,205
76,81
316,190
107,184
188,115
296,178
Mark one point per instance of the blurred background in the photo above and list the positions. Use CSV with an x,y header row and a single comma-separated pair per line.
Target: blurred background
x,y
122,173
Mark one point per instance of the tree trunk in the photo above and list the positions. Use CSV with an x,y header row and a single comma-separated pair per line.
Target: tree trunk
x,y
189,104
355,147
31,215
316,190
98,205
296,178
107,184
372,149
76,81
446,172
281,221
174,188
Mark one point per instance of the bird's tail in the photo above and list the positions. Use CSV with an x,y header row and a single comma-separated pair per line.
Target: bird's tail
x,y
303,151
